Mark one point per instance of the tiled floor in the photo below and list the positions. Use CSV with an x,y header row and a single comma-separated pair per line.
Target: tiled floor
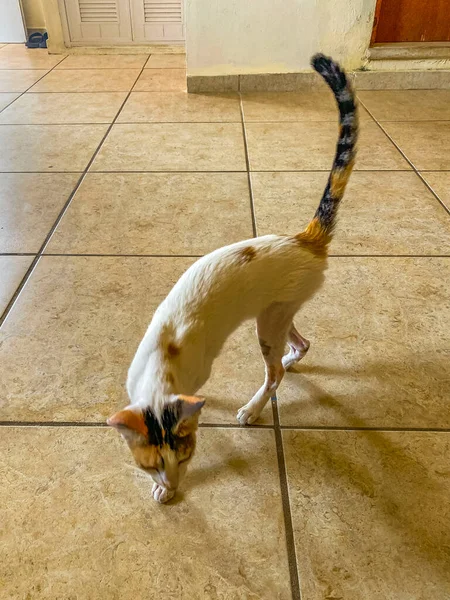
x,y
112,181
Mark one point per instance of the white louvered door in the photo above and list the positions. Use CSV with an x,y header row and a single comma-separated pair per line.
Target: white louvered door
x,y
158,20
99,21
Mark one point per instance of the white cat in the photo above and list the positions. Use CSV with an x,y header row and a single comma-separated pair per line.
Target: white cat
x,y
266,278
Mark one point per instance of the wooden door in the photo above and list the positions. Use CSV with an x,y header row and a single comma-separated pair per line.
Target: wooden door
x,y
99,21
412,21
158,20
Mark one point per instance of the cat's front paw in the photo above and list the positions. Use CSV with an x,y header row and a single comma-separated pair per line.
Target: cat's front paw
x,y
162,494
248,414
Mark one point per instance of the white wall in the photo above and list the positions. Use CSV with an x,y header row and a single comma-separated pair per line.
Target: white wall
x,y
11,23
34,14
274,36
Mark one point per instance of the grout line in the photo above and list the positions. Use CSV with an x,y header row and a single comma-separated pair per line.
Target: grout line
x,y
288,526
83,91
49,254
61,214
247,163
103,424
131,172
109,91
124,255
435,194
53,424
275,427
125,122
415,169
388,255
235,426
228,172
28,88
362,428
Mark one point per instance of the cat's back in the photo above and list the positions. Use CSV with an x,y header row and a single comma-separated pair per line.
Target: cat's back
x,y
248,272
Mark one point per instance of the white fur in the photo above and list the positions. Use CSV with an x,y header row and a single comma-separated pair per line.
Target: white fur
x,y
211,299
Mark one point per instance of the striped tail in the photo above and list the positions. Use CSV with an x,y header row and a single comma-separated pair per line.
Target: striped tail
x,y
320,229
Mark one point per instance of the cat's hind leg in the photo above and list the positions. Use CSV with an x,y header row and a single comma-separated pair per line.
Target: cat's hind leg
x,y
298,347
272,327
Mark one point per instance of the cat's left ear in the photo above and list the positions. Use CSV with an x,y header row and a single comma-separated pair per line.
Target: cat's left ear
x,y
189,408
130,424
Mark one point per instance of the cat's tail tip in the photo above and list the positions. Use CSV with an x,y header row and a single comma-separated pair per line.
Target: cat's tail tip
x,y
330,71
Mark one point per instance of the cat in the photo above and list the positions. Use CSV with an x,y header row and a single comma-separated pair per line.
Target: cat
x,y
267,278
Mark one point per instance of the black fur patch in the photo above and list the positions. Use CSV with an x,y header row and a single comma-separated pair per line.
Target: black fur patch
x,y
345,151
161,432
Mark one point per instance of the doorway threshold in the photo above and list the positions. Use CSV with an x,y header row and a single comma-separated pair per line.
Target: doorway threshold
x,y
411,56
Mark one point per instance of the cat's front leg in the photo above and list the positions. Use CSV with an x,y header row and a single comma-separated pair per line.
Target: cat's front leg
x,y
162,494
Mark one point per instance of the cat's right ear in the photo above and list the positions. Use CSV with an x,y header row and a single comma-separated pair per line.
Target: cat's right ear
x,y
130,425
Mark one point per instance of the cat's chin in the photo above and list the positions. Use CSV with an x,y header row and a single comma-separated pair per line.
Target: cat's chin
x,y
162,494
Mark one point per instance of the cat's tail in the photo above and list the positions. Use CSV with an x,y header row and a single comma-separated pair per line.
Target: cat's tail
x,y
320,229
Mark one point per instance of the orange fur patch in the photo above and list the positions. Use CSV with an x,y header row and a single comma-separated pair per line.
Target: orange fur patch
x,y
131,420
314,238
173,350
147,456
339,179
247,254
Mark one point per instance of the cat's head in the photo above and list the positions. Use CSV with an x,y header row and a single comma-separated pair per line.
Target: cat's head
x,y
161,446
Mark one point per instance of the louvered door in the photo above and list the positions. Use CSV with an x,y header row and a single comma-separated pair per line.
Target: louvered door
x,y
99,21
158,20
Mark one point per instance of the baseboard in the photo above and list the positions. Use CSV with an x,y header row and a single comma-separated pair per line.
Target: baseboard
x,y
402,80
250,82
137,49
295,82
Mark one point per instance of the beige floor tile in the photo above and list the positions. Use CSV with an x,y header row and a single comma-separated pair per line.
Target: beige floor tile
x,y
87,80
104,61
7,98
178,107
29,205
79,518
12,270
38,109
20,57
440,182
408,105
19,80
155,213
382,212
380,340
161,80
67,345
48,147
292,106
370,513
237,375
311,146
425,144
166,61
173,147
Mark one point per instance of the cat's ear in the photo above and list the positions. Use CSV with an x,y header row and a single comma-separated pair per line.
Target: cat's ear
x,y
130,424
189,408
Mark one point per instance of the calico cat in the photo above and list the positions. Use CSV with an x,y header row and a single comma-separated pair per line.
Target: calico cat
x,y
267,278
